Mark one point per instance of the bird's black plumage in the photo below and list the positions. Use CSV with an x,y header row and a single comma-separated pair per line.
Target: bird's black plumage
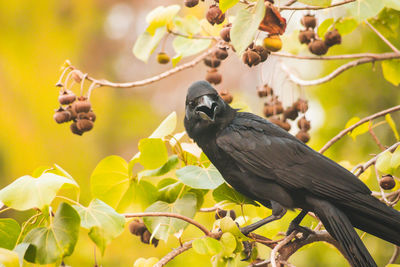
x,y
267,164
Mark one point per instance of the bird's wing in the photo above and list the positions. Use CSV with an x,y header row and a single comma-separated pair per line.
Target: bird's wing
x,y
265,150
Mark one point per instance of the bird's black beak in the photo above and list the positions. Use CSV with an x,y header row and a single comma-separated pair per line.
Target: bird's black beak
x,y
206,108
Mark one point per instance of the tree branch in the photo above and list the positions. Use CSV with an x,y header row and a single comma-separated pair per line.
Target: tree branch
x,y
351,128
336,57
339,70
395,255
383,37
185,246
286,240
172,215
316,7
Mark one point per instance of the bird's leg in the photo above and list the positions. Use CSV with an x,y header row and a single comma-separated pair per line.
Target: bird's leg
x,y
277,212
295,225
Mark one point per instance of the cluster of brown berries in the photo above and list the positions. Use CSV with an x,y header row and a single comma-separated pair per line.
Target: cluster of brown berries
x,y
277,114
254,55
214,61
214,14
138,228
220,213
387,182
316,45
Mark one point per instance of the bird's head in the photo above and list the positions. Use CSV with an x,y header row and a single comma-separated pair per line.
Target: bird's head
x,y
205,110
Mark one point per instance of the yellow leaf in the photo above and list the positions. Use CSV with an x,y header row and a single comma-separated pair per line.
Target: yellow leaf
x,y
392,125
361,129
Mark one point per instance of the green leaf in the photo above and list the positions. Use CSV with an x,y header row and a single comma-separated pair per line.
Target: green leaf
x,y
346,25
383,163
395,162
324,26
145,193
224,5
322,3
9,231
165,225
245,26
110,180
395,4
189,25
161,16
186,47
226,193
109,224
169,190
8,258
153,152
207,246
27,192
166,127
392,125
146,44
142,262
21,249
168,166
200,178
363,128
227,225
228,242
387,23
56,241
364,9
391,71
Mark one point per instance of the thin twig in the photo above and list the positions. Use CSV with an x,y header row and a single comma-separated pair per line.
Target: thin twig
x,y
375,138
193,36
172,215
167,258
336,57
352,127
279,246
211,209
316,7
382,37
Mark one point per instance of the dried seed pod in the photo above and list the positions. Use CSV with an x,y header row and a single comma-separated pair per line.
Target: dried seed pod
x,y
214,15
301,105
304,124
283,124
91,115
213,76
82,105
145,238
62,115
226,96
309,21
306,36
220,53
191,3
74,129
162,58
77,75
290,113
262,52
225,34
66,97
212,62
251,58
387,182
266,90
272,43
303,136
137,227
318,47
84,125
333,38
220,213
72,111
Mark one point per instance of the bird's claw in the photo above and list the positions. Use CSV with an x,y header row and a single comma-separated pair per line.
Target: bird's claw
x,y
248,249
304,230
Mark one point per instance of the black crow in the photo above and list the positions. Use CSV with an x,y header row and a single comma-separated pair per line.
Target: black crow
x,y
269,165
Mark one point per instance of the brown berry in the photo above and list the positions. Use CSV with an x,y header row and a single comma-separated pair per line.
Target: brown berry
x,y
84,125
303,136
145,238
220,213
74,129
283,124
226,96
304,124
318,47
387,182
220,53
225,34
251,58
212,62
301,105
82,105
309,21
214,15
62,116
266,90
72,111
306,36
66,97
92,116
333,38
191,3
213,76
290,113
162,58
272,43
261,51
137,227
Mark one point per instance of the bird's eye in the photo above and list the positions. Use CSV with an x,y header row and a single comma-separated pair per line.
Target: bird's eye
x,y
192,104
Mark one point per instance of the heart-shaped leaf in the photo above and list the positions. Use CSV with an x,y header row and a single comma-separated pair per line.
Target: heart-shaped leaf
x,y
200,178
9,231
226,193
